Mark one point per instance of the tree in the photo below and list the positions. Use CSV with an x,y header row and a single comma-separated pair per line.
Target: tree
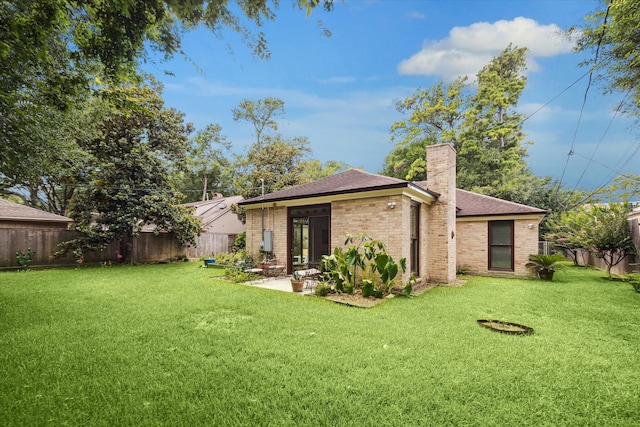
x,y
53,51
435,116
613,35
483,127
207,166
128,181
313,170
263,114
568,232
608,234
278,165
490,151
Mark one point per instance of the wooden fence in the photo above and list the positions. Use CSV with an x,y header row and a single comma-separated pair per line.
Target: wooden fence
x,y
148,247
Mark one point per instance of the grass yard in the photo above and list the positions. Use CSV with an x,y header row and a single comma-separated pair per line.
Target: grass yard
x,y
170,345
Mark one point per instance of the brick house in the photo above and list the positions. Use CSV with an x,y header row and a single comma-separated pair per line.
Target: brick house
x,y
430,223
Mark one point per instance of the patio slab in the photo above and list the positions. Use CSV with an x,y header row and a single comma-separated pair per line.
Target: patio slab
x,y
282,283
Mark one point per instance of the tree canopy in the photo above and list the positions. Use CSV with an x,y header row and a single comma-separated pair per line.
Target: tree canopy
x,y
484,128
612,34
55,53
126,181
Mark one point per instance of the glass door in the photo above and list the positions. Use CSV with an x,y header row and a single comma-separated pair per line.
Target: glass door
x,y
308,236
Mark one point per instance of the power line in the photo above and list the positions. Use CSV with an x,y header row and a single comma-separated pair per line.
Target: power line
x,y
584,100
618,108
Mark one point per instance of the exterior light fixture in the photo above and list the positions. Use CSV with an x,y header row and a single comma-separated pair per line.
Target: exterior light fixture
x,y
391,205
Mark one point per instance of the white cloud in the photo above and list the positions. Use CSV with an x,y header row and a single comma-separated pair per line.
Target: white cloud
x,y
467,49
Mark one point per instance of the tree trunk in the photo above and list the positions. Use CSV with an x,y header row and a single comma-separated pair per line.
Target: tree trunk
x,y
204,188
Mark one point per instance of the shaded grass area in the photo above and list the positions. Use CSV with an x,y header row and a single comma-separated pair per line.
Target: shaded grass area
x,y
170,344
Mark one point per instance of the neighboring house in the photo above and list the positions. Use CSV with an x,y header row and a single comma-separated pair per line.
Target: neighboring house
x,y
23,227
434,226
220,225
13,215
216,214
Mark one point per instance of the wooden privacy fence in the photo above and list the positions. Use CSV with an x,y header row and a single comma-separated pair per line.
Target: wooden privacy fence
x,y
148,247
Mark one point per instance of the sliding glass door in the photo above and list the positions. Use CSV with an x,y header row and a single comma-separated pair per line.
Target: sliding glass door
x,y
308,236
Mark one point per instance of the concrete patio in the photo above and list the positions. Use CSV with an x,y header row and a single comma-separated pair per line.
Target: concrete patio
x,y
280,283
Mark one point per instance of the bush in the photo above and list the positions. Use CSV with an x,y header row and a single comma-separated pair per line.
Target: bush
x,y
25,259
240,243
323,289
633,280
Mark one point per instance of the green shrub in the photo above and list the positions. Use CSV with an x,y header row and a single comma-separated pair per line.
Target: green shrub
x,y
323,289
634,280
25,259
240,243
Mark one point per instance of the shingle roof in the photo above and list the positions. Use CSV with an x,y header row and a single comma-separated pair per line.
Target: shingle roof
x,y
355,180
210,210
350,181
474,204
14,212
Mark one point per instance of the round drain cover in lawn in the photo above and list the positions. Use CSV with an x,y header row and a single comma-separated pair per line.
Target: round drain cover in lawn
x,y
506,327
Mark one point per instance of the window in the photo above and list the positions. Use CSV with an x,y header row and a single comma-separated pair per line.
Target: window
x,y
415,242
501,245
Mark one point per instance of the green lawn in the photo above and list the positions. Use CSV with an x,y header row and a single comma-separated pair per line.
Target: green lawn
x,y
170,345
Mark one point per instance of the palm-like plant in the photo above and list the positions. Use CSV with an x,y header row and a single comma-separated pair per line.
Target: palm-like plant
x,y
545,265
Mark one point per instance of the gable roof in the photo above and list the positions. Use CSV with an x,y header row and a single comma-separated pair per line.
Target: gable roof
x,y
10,211
474,204
350,181
210,210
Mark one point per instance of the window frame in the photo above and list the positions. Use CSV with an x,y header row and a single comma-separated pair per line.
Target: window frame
x,y
490,245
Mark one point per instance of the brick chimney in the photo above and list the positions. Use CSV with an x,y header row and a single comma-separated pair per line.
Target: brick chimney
x,y
441,178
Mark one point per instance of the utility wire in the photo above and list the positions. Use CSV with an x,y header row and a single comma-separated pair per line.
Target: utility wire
x,y
618,108
584,101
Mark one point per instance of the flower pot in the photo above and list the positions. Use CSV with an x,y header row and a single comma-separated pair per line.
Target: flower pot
x,y
297,285
545,274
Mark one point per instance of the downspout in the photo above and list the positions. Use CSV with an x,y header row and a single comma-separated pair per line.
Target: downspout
x,y
262,233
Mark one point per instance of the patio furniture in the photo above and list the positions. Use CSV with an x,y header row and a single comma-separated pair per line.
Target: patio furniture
x,y
309,275
274,270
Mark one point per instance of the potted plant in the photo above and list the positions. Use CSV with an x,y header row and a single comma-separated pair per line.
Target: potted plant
x,y
545,265
297,282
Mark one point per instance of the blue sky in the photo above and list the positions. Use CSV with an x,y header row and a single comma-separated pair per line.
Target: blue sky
x,y
341,91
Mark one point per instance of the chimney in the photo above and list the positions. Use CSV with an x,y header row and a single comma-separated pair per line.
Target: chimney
x,y
441,178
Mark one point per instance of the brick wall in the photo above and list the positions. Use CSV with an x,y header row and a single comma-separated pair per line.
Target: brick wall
x,y
374,217
275,218
473,241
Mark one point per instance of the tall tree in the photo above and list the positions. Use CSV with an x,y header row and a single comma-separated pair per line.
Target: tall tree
x,y
484,128
612,34
128,182
491,157
263,114
207,165
276,166
435,116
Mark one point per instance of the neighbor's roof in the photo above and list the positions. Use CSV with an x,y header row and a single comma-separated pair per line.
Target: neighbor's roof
x,y
207,210
210,210
350,181
474,204
10,211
